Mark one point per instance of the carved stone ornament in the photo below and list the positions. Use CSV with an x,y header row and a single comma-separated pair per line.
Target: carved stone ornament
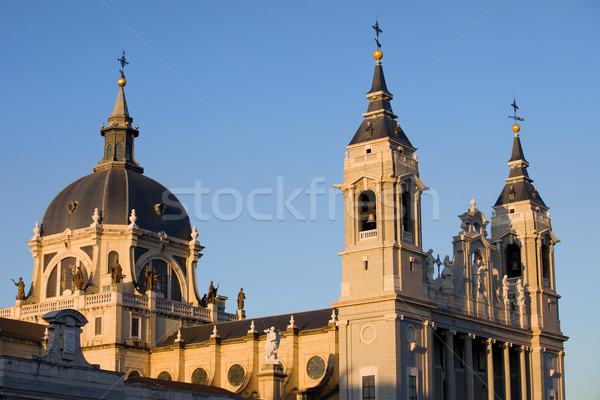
x,y
72,206
159,209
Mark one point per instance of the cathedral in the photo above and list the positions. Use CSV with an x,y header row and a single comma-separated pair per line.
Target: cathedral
x,y
119,248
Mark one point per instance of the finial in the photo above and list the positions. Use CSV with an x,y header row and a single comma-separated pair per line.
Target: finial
x,y
46,334
122,81
292,324
194,233
179,339
333,317
252,328
473,202
516,128
214,334
378,53
95,218
132,219
36,229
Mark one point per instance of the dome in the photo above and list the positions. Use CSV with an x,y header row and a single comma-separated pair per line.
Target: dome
x,y
115,192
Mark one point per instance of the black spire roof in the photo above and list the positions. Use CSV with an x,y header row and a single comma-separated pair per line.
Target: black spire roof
x,y
380,120
518,185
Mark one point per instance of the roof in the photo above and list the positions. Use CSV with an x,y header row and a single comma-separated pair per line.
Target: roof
x,y
380,120
518,186
115,192
176,385
22,330
236,329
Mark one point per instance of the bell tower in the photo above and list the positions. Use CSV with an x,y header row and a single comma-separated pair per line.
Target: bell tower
x,y
382,201
522,232
382,262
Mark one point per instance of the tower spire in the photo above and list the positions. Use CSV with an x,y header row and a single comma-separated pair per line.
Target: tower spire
x,y
119,134
518,185
379,119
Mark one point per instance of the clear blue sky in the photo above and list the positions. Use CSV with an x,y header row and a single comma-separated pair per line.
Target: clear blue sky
x,y
289,80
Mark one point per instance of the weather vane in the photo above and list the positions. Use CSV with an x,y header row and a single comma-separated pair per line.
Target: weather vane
x,y
123,62
514,106
377,32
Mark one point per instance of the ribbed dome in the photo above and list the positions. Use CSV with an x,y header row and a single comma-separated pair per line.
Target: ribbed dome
x,y
115,192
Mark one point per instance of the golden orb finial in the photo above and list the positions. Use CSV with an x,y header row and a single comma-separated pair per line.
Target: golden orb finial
x,y
378,54
122,81
516,128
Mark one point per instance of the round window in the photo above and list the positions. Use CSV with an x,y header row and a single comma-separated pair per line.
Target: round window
x,y
315,368
236,375
199,376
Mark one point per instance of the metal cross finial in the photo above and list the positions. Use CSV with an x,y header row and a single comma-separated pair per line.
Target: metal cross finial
x,y
377,32
123,62
515,107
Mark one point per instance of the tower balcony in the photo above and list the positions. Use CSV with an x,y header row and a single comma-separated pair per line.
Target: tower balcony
x,y
366,235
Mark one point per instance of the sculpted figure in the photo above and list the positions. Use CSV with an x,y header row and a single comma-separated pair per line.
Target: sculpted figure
x,y
212,293
78,278
505,289
447,273
151,278
20,289
429,266
481,277
271,345
240,299
520,295
203,301
116,271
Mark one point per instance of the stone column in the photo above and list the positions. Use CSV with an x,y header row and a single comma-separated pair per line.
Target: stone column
x,y
449,365
522,372
428,364
506,375
561,379
469,388
490,367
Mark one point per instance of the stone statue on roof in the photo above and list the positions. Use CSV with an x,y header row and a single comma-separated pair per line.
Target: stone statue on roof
x,y
211,297
429,266
20,288
116,271
78,278
151,278
271,345
240,299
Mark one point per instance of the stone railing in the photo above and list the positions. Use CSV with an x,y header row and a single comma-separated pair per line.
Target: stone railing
x,y
98,299
402,159
513,281
115,298
365,235
135,300
365,158
224,317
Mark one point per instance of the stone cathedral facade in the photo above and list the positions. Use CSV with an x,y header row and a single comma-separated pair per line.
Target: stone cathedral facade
x,y
118,247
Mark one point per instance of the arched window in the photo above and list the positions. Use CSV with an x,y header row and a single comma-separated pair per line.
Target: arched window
x,y
199,376
546,263
61,276
367,211
109,152
51,284
167,282
113,257
406,212
118,152
165,376
513,261
133,374
128,153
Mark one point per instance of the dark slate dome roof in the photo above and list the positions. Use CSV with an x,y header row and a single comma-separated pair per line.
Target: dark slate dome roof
x,y
115,192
